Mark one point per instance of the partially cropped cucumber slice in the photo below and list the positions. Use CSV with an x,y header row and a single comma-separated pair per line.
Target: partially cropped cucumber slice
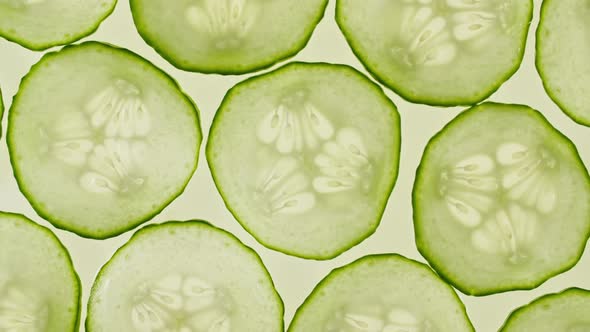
x,y
438,52
382,293
306,156
567,311
497,200
184,276
563,55
100,139
41,24
39,288
226,36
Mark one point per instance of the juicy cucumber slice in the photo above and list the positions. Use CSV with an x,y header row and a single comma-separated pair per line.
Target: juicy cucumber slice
x,y
305,157
100,139
184,276
226,36
382,293
497,200
438,52
39,288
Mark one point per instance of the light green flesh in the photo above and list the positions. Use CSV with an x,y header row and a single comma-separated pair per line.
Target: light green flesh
x,y
439,52
1,112
184,276
497,200
563,55
40,24
226,36
564,312
306,156
382,293
100,139
39,289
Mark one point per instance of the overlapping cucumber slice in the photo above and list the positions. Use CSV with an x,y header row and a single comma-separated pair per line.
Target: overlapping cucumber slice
x,y
500,200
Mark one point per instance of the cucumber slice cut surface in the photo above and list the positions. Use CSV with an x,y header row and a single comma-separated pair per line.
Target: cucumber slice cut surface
x,y
100,139
184,276
382,293
306,156
1,112
226,36
497,200
39,288
438,52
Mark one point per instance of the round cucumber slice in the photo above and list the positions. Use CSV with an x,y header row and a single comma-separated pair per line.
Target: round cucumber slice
x,y
100,139
39,288
184,276
438,52
563,56
566,311
305,157
382,293
226,36
41,24
496,200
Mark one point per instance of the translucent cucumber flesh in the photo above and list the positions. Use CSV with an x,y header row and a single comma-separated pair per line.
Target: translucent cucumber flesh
x,y
1,112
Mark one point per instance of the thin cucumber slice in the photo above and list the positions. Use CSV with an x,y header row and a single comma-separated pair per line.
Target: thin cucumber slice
x,y
39,288
305,157
41,24
563,55
226,36
184,276
565,312
497,200
100,139
382,293
438,52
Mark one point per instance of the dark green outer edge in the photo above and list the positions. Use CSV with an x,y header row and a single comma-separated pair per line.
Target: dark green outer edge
x,y
467,101
343,269
422,244
273,59
43,46
30,197
378,90
55,239
188,223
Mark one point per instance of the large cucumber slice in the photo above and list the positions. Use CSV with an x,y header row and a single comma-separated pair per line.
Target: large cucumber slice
x,y
226,36
438,52
100,139
186,277
306,156
41,24
563,55
497,200
39,288
382,293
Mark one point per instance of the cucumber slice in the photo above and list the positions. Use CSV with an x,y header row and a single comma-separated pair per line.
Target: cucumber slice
x,y
438,52
497,200
566,311
100,139
184,276
39,288
563,55
41,24
382,293
226,36
305,157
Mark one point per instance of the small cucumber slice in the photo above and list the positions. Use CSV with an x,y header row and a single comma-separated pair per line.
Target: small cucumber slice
x,y
100,139
497,200
184,276
226,36
438,52
39,288
41,24
305,157
382,293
